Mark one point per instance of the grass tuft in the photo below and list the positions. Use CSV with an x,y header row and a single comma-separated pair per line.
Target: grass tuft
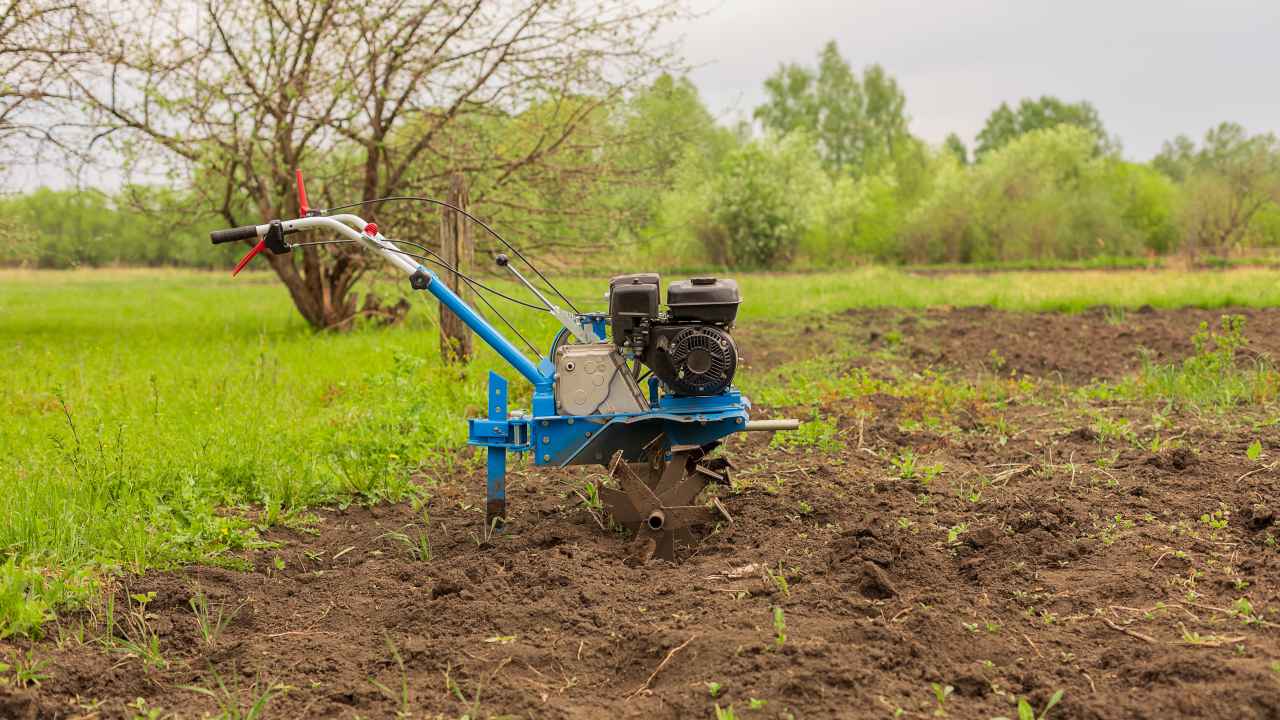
x,y
1218,376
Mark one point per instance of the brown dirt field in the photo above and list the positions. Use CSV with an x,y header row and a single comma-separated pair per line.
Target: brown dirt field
x,y
1050,552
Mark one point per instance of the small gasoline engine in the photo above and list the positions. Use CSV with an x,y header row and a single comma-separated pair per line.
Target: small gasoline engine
x,y
688,349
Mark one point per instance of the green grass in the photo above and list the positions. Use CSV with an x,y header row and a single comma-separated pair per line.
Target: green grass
x,y
141,405
790,295
1215,376
138,404
1219,376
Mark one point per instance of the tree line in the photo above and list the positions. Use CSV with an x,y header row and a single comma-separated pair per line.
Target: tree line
x,y
837,176
578,136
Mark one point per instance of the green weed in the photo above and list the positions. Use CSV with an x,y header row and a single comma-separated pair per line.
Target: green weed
x,y
1217,520
940,694
402,696
1109,429
725,713
29,595
1216,376
140,639
906,464
210,623
1027,712
909,468
817,433
779,628
23,669
1243,609
779,579
589,493
141,711
228,700
418,544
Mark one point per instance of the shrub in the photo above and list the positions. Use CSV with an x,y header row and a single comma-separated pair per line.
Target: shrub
x,y
1045,196
761,202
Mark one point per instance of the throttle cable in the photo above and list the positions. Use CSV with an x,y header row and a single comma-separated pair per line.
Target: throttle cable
x,y
474,219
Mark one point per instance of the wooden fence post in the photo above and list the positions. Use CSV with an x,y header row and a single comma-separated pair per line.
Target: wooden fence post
x,y
457,250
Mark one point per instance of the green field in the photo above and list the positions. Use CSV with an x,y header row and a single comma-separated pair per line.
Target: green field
x,y
156,418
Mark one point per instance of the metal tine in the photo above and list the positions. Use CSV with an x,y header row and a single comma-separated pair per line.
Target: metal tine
x,y
674,472
645,472
645,545
666,548
683,516
618,504
685,492
642,498
715,477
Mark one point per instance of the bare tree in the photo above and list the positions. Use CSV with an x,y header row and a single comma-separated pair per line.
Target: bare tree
x,y
375,97
24,70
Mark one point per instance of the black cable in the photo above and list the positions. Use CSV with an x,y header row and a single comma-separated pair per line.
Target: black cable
x,y
440,261
484,300
506,322
477,221
475,284
469,280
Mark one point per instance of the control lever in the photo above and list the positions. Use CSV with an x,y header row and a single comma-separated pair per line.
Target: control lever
x,y
580,330
273,241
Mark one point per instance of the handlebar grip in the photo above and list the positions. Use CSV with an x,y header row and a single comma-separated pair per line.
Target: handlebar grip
x,y
245,232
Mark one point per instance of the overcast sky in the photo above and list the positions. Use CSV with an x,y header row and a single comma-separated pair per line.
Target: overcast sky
x,y
1153,68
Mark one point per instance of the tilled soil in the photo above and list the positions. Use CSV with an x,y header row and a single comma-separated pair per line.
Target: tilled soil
x,y
1100,343
1029,549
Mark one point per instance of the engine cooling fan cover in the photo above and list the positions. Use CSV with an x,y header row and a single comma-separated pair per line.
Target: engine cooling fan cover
x,y
702,360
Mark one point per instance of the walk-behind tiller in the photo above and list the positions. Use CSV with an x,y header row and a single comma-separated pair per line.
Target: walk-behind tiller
x,y
650,404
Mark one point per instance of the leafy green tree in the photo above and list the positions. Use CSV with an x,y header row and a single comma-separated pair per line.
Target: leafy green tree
x,y
942,226
792,102
759,206
858,122
1230,181
954,146
1045,196
74,228
654,128
1005,124
1148,203
856,218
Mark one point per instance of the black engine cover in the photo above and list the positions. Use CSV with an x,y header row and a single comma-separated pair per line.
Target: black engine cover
x,y
692,359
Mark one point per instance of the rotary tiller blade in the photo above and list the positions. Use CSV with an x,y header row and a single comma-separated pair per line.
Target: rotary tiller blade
x,y
656,505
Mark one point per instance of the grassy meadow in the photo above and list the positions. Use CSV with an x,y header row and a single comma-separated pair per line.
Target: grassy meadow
x,y
157,418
